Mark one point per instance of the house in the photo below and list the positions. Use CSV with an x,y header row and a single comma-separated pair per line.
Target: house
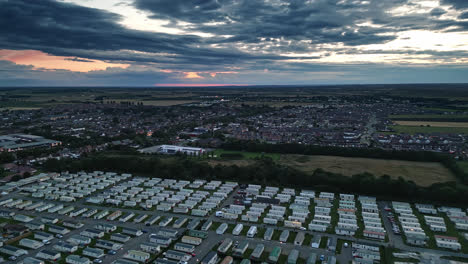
x,y
150,247
227,260
299,239
30,260
72,224
58,230
124,261
137,255
92,233
43,236
65,247
284,236
240,249
75,259
48,255
210,258
184,247
448,242
35,225
106,244
93,252
120,237
165,261
49,220
161,240
177,255
374,234
257,252
316,241
192,240
79,240
6,214
22,218
14,229
172,233
106,227
132,232
13,251
332,244
30,243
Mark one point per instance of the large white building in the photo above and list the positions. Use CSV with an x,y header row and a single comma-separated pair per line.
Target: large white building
x,y
173,149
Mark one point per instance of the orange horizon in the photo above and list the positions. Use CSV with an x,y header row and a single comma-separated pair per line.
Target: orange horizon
x,y
195,84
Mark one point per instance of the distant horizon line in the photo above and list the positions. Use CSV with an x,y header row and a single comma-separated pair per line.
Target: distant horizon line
x,y
226,85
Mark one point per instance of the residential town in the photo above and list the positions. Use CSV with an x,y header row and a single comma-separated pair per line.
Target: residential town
x,y
222,180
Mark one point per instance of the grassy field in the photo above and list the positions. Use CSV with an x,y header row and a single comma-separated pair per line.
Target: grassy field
x,y
426,129
422,173
247,155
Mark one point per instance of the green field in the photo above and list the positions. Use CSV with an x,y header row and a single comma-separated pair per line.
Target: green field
x,y
426,129
422,173
247,155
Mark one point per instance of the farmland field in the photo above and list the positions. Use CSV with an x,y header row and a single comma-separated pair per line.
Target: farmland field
x,y
422,173
430,129
423,117
165,102
432,124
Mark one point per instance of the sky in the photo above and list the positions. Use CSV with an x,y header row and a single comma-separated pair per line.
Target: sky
x,y
232,42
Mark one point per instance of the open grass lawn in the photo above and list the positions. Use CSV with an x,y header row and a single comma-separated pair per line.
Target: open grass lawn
x,y
428,129
422,173
323,242
245,155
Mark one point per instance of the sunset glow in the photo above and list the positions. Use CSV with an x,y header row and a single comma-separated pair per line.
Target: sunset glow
x,y
43,60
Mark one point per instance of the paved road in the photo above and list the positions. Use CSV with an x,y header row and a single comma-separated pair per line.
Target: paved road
x,y
370,129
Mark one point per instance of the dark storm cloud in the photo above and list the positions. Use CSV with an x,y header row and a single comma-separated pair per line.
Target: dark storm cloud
x,y
459,4
464,15
319,21
194,11
78,59
245,34
251,21
71,30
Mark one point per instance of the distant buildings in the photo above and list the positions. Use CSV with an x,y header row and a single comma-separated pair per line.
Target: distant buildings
x,y
172,149
15,142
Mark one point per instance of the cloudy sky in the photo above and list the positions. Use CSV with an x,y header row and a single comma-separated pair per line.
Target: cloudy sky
x,y
232,42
